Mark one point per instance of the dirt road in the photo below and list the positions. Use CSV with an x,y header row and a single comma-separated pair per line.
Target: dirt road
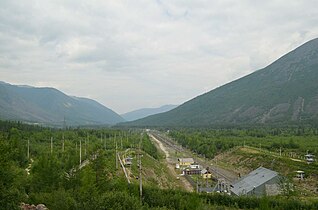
x,y
171,163
229,176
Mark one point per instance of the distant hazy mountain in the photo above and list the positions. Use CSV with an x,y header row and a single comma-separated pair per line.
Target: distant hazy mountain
x,y
284,92
141,113
49,106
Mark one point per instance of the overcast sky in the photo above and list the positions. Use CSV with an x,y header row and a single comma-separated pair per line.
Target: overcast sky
x,y
146,53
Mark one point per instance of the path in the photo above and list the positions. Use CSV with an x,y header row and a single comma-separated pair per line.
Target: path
x,y
220,172
170,163
123,167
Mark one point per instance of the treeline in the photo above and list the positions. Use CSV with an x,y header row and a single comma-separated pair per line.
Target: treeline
x,y
55,180
51,158
210,142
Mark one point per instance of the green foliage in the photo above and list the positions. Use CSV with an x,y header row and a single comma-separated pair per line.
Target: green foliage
x,y
56,181
12,178
149,147
46,174
209,142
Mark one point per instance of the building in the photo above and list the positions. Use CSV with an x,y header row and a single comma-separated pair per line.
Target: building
x,y
185,161
128,161
206,173
261,181
192,171
309,158
195,166
300,175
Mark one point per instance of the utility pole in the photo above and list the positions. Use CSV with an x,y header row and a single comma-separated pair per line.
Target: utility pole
x,y
64,124
64,127
140,178
88,140
63,143
28,149
104,143
197,185
85,147
116,156
216,168
80,151
115,139
121,142
51,145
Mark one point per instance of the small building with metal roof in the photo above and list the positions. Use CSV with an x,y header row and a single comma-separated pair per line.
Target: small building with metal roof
x,y
310,158
261,181
185,161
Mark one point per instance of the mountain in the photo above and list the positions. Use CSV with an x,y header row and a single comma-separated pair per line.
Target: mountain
x,y
141,113
49,106
284,92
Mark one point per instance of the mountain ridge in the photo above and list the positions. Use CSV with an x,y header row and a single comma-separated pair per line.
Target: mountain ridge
x,y
145,112
49,106
285,91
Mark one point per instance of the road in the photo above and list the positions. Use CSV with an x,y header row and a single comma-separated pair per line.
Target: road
x,y
220,172
171,162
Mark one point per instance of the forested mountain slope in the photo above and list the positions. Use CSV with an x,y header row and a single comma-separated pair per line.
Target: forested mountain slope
x,y
50,106
286,91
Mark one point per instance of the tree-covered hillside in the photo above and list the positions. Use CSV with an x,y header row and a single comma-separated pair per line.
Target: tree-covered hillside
x,y
49,106
284,92
50,174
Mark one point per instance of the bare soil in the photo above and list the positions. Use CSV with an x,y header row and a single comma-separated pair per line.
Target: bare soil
x,y
171,164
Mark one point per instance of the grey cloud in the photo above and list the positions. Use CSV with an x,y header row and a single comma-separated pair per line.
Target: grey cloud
x,y
157,52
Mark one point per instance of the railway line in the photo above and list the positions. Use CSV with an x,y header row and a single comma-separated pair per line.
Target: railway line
x,y
219,172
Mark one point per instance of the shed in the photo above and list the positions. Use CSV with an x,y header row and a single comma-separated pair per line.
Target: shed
x,y
195,166
206,173
261,181
192,171
128,161
309,158
185,161
300,175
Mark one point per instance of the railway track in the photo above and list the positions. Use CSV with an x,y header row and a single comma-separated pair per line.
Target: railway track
x,y
220,173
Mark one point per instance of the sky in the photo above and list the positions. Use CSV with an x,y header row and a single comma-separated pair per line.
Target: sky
x,y
146,53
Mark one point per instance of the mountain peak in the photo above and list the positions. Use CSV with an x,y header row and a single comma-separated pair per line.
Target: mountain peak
x,y
286,91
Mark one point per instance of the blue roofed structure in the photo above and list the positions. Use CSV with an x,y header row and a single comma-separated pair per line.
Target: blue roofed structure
x,y
261,181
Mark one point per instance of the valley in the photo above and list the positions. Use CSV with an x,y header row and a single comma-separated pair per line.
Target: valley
x,y
249,144
116,163
158,105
